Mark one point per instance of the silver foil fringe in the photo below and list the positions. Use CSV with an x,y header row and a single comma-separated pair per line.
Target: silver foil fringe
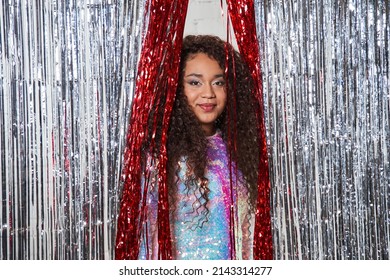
x,y
326,85
67,73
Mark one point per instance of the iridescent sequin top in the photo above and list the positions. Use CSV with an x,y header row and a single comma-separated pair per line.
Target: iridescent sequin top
x,y
204,233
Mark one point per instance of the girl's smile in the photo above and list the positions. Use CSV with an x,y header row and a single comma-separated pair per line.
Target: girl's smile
x,y
207,107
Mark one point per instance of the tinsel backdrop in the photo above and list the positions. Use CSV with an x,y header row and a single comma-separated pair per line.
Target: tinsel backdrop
x,y
67,78
326,83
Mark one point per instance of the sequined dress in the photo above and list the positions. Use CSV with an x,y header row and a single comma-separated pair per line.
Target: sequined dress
x,y
200,233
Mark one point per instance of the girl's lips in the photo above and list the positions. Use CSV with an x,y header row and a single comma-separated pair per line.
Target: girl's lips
x,y
207,107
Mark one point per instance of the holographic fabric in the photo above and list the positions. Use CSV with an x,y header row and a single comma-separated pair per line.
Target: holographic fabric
x,y
201,232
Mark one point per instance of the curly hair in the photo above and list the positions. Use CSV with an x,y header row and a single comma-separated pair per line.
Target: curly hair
x,y
238,123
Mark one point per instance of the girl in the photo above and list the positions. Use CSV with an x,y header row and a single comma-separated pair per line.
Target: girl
x,y
213,157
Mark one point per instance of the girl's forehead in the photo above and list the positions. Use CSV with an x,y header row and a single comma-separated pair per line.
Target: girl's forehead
x,y
220,61
202,62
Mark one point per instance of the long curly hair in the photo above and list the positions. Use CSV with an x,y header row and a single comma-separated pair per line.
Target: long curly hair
x,y
238,123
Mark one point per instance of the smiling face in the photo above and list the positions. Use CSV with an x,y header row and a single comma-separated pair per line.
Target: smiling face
x,y
204,86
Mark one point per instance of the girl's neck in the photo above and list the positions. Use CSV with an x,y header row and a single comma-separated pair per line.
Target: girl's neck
x,y
213,134
209,130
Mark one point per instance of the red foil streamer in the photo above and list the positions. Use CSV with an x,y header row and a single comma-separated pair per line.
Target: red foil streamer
x,y
244,24
157,76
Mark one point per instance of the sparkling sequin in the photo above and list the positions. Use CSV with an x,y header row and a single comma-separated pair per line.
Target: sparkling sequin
x,y
204,233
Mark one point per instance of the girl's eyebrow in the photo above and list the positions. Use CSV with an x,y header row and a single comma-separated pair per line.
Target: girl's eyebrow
x,y
200,75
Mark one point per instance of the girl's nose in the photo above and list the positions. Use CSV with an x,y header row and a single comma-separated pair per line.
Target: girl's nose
x,y
208,91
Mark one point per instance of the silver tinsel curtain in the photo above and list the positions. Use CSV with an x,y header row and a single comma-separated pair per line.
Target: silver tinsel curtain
x,y
67,72
67,75
327,88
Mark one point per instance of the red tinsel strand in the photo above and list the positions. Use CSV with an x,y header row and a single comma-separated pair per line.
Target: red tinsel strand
x,y
157,76
244,25
177,15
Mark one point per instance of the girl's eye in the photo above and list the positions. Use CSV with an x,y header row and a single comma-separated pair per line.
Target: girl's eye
x,y
194,83
219,83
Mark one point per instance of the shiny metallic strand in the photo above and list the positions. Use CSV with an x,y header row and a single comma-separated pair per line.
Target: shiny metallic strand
x,y
243,20
67,78
156,84
326,89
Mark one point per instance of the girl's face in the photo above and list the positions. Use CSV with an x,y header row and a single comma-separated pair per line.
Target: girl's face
x,y
204,86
